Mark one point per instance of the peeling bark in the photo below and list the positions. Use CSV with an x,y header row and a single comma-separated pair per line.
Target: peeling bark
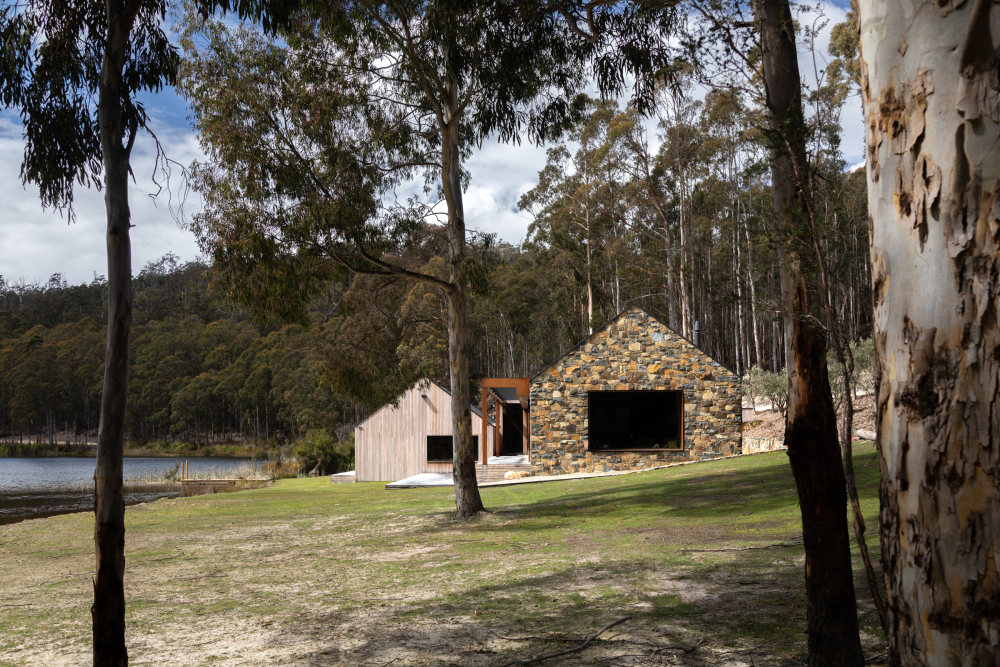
x,y
810,420
933,111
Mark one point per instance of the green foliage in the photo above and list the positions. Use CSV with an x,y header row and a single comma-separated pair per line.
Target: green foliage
x,y
50,73
863,379
200,373
865,365
318,450
772,387
845,40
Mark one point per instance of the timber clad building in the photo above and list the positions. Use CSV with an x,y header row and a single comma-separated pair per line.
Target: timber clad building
x,y
411,437
633,395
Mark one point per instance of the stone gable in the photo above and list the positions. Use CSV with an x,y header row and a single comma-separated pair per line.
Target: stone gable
x,y
635,352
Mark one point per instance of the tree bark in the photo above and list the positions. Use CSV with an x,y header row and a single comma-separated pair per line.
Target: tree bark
x,y
108,610
932,100
687,321
467,499
810,422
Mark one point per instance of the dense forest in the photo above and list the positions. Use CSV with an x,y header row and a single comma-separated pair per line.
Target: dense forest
x,y
682,230
669,211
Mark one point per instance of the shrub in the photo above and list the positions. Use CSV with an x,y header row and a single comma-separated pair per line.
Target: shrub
x,y
767,385
865,370
319,450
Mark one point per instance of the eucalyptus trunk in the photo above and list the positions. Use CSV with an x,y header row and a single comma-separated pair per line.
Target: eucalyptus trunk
x,y
932,99
687,319
467,499
810,422
108,610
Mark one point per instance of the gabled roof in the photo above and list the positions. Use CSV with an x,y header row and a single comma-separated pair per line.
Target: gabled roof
x,y
615,319
475,409
423,381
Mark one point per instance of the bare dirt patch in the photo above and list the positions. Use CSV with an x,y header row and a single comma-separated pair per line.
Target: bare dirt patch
x,y
770,423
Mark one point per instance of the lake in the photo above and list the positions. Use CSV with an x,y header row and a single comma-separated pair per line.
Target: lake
x,y
35,487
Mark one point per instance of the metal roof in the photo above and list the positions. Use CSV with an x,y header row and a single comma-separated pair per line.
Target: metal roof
x,y
506,394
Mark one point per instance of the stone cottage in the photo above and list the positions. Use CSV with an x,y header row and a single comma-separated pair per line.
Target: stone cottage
x,y
635,394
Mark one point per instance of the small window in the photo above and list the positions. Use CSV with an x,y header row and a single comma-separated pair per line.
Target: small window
x,y
643,420
440,450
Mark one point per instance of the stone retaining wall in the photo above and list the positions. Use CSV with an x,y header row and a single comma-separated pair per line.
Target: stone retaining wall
x,y
633,353
757,445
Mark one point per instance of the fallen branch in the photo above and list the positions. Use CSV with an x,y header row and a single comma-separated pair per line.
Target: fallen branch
x,y
877,658
678,647
210,575
546,638
766,546
569,651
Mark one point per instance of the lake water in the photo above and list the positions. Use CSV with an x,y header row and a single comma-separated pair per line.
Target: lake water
x,y
37,487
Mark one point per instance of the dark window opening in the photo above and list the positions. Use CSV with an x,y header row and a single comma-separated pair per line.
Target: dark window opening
x,y
635,420
440,449
513,430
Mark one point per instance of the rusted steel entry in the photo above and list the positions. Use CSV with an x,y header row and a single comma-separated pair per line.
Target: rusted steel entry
x,y
505,391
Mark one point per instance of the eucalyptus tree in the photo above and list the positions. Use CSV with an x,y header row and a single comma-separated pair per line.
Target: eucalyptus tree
x,y
930,89
57,59
313,139
769,62
574,207
73,70
810,419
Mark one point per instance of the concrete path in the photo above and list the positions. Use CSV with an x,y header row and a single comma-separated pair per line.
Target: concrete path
x,y
429,479
424,479
434,479
342,477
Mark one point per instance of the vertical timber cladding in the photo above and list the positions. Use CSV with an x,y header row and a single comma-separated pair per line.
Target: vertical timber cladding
x,y
391,443
635,352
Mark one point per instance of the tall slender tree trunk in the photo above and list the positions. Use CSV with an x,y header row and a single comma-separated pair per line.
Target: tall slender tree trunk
x,y
108,610
810,426
739,328
588,237
467,499
686,323
668,253
932,100
753,295
590,285
640,150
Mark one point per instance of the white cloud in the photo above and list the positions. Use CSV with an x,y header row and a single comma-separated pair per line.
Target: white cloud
x,y
36,243
500,175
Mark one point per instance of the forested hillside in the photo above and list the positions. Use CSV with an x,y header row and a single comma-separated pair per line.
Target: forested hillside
x,y
678,224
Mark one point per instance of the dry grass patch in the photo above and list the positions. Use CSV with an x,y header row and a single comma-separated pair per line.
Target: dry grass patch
x,y
702,558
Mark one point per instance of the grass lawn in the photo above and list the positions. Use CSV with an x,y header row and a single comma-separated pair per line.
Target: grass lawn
x,y
706,559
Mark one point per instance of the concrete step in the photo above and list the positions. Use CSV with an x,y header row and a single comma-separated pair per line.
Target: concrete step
x,y
494,472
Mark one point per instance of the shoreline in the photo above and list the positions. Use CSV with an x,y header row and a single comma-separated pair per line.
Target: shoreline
x,y
136,495
15,451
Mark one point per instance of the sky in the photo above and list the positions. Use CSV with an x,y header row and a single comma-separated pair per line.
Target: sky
x,y
36,243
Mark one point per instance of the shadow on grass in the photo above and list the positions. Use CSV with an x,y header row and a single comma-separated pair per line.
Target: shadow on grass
x,y
718,497
749,606
739,615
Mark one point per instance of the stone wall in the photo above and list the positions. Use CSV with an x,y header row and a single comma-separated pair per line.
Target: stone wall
x,y
635,352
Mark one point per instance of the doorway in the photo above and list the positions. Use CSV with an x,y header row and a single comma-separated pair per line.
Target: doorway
x,y
512,442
